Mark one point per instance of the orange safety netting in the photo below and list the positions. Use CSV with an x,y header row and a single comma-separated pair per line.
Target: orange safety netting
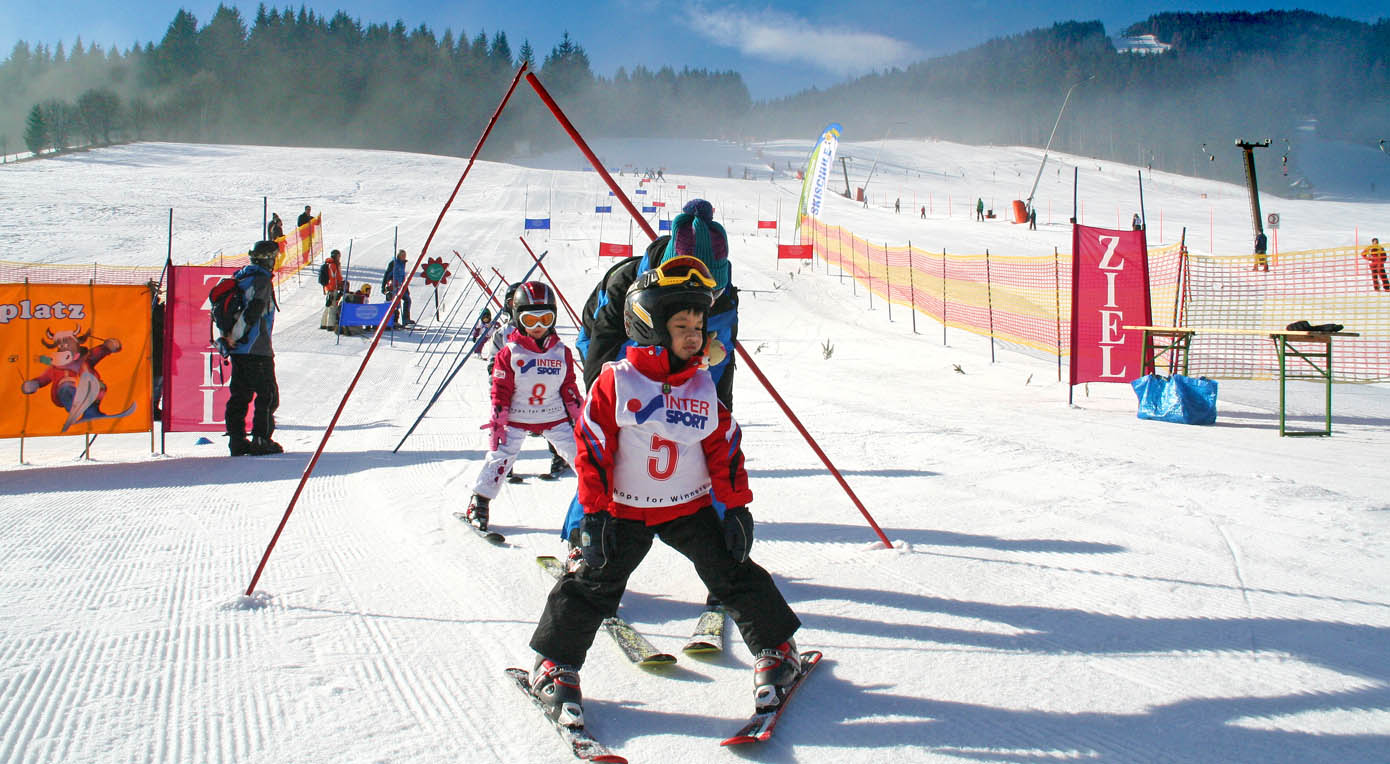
x,y
1024,301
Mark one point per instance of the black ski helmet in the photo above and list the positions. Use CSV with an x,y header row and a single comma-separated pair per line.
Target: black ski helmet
x,y
681,283
532,295
264,254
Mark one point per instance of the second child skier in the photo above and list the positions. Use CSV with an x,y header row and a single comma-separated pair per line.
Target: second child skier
x,y
655,440
533,391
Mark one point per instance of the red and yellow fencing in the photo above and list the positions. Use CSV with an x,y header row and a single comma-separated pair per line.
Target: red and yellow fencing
x,y
1024,301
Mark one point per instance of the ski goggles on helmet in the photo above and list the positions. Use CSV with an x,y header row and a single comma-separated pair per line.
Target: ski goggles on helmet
x,y
530,319
683,270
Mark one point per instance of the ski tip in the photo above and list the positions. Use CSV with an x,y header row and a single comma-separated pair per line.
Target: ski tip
x,y
739,740
702,649
660,660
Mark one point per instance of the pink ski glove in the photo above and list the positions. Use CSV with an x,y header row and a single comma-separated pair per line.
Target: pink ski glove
x,y
497,427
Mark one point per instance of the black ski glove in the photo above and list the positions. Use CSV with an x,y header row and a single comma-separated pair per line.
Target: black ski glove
x,y
598,538
738,532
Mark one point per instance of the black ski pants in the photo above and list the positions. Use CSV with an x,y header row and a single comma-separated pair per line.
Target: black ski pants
x,y
580,601
252,376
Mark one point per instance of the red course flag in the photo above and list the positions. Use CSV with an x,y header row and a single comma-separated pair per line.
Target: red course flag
x,y
681,187
794,252
767,223
614,250
658,204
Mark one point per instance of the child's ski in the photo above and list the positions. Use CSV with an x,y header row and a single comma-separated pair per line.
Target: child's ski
x,y
630,641
492,537
708,636
580,741
760,725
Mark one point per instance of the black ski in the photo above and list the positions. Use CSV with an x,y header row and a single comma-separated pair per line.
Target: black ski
x,y
492,537
581,743
708,636
630,641
761,724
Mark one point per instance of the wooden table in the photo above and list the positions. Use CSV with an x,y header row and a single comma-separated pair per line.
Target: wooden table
x,y
1176,342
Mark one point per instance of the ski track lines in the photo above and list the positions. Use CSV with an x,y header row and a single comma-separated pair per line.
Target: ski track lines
x,y
72,706
393,600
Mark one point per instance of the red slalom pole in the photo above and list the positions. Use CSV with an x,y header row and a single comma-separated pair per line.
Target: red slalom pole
x,y
478,278
573,316
812,441
589,154
642,222
376,338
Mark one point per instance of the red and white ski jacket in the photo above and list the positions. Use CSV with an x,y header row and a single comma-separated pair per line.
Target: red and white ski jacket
x,y
533,381
653,443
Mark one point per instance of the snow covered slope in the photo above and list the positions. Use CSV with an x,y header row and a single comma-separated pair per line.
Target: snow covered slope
x,y
1065,582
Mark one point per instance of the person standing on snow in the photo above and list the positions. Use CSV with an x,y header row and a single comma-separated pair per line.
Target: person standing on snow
x,y
253,358
644,475
394,278
533,391
980,209
506,319
1375,255
331,279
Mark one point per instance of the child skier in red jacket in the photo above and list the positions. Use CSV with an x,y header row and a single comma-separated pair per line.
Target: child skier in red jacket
x,y
533,391
654,440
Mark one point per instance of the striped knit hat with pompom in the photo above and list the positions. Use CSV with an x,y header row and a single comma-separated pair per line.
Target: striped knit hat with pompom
x,y
694,233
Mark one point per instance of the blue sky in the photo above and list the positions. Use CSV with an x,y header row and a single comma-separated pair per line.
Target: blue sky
x,y
779,46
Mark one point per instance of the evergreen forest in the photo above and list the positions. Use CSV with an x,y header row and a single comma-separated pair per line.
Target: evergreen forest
x,y
297,78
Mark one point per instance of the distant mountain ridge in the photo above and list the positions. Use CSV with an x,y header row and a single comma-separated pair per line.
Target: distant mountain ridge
x,y
1228,76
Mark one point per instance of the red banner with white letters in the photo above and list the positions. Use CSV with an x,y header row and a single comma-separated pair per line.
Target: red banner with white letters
x,y
196,376
794,252
1110,289
767,223
614,250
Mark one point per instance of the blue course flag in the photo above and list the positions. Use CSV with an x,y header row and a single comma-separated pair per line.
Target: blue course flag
x,y
610,193
640,192
648,208
537,223
604,209
664,225
364,314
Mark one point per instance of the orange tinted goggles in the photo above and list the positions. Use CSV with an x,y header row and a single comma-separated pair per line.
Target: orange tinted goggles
x,y
683,270
532,318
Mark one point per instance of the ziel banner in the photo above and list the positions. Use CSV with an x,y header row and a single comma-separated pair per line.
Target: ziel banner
x,y
79,359
196,376
1110,288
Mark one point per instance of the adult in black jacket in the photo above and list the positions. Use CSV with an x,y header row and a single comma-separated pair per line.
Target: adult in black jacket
x,y
603,335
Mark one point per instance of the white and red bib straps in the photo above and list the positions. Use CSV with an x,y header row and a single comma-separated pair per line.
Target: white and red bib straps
x,y
539,376
660,461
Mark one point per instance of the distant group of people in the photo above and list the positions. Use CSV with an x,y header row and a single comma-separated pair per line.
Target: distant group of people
x,y
275,228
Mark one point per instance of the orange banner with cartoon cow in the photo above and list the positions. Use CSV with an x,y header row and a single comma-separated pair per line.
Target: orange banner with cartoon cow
x,y
78,359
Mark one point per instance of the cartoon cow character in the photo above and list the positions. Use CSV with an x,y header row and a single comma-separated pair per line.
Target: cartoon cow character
x,y
76,386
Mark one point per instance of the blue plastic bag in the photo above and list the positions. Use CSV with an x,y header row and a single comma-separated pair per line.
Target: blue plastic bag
x,y
1181,399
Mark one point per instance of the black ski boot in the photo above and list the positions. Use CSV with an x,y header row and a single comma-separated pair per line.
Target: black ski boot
x,y
557,466
514,478
557,687
477,511
263,446
237,443
774,673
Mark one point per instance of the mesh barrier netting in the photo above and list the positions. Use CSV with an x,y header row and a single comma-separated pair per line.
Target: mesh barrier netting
x,y
298,248
1023,301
